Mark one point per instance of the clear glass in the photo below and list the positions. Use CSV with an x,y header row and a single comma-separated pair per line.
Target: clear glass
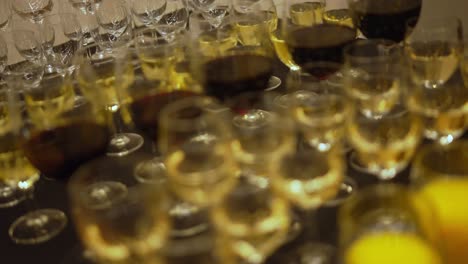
x,y
116,218
251,223
372,75
103,82
388,223
33,10
441,174
28,45
148,12
381,19
433,51
173,20
195,140
84,10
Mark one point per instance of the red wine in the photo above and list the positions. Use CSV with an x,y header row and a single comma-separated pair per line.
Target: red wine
x,y
324,42
322,70
59,151
145,111
383,18
232,75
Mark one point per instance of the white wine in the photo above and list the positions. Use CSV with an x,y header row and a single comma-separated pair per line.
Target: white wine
x,y
157,68
15,168
444,111
250,33
385,145
45,103
215,43
200,172
103,90
338,16
432,63
309,178
252,223
374,96
307,13
282,50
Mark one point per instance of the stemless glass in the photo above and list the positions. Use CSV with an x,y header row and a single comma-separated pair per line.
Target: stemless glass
x,y
103,82
117,219
305,37
441,174
195,141
33,10
381,19
386,224
433,51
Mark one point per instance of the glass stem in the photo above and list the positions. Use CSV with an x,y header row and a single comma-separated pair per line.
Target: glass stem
x,y
309,224
295,79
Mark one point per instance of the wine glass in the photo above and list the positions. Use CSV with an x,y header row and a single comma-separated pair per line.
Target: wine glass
x,y
216,12
440,173
5,14
33,10
195,141
383,19
388,223
85,6
305,39
234,58
104,83
28,45
118,219
173,20
67,36
39,225
84,10
251,222
148,12
433,51
115,25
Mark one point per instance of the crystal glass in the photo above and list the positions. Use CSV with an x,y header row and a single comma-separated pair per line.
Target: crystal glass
x,y
118,219
195,141
388,223
433,51
103,82
33,10
148,12
174,19
440,173
28,45
381,19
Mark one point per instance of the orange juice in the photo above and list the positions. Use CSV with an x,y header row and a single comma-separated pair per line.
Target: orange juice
x,y
449,197
391,248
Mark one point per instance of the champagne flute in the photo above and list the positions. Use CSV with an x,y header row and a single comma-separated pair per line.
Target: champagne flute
x,y
195,141
433,51
388,223
105,84
117,219
440,173
33,10
383,19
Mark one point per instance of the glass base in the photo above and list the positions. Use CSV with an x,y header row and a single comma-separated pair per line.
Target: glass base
x,y
273,83
347,188
37,226
123,144
152,171
10,196
188,220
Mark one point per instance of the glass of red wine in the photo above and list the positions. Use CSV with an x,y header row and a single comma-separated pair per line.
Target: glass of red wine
x,y
234,58
384,19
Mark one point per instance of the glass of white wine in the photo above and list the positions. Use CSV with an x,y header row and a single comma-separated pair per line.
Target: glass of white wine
x,y
440,173
195,140
387,223
433,51
118,219
103,82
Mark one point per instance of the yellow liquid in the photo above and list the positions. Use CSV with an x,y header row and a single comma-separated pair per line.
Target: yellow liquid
x,y
432,63
15,168
252,33
390,248
44,107
339,17
282,51
447,196
307,14
157,68
213,44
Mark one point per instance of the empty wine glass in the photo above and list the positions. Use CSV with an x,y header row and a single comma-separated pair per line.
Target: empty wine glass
x,y
33,10
148,12
174,19
28,45
85,6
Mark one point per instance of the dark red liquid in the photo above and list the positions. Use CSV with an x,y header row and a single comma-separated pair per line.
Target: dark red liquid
x,y
145,111
230,76
321,70
383,18
324,42
58,152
